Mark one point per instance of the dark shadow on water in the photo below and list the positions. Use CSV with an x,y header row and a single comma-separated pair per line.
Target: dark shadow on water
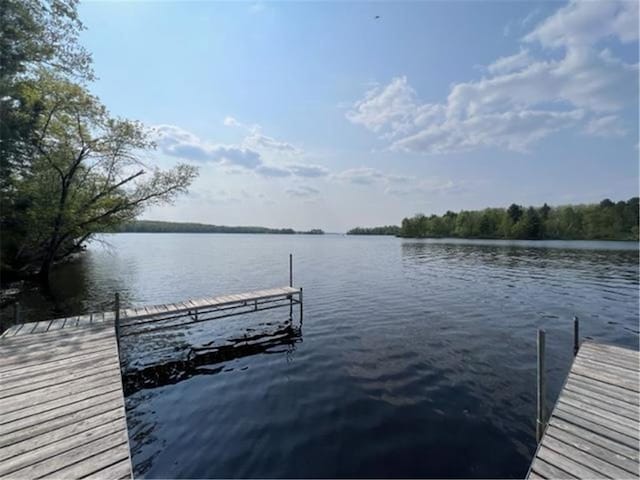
x,y
208,359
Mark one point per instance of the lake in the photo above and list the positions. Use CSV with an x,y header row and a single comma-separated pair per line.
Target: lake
x,y
415,358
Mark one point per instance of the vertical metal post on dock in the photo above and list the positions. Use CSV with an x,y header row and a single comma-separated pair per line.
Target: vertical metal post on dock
x,y
300,305
291,270
576,335
291,285
117,317
541,420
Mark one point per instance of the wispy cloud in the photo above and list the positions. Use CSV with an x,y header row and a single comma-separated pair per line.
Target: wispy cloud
x,y
524,99
302,191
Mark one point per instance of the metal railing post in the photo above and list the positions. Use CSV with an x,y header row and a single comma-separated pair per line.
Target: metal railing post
x,y
117,317
290,270
576,335
541,420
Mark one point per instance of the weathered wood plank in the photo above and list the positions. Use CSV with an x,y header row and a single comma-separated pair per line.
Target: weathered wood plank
x,y
625,383
595,437
552,457
603,388
610,359
593,431
68,377
569,413
31,456
611,350
617,372
36,409
44,425
85,362
599,394
121,469
603,468
114,442
52,394
547,470
585,400
62,404
594,450
38,367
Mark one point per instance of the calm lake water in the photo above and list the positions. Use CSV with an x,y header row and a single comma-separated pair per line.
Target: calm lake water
x,y
415,358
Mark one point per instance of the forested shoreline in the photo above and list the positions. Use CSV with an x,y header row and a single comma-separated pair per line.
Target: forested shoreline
x,y
384,230
603,221
155,226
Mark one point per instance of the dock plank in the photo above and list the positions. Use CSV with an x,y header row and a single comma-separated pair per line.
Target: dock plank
x,y
62,403
593,431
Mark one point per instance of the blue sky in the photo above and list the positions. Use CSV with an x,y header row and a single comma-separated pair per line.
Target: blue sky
x,y
319,115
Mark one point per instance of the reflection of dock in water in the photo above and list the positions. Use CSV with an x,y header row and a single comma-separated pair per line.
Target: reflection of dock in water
x,y
182,363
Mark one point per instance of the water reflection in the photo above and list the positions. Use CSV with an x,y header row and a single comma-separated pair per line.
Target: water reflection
x,y
182,361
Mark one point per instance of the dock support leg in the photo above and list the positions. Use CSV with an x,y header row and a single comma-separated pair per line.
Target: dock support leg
x,y
540,420
576,335
300,298
291,285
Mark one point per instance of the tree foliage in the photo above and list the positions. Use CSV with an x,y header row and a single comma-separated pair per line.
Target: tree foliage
x,y
385,230
604,221
69,168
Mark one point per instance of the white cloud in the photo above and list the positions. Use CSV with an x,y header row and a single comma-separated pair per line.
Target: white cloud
x,y
607,126
424,187
177,142
524,99
303,191
272,171
510,63
310,171
369,176
584,23
257,140
360,176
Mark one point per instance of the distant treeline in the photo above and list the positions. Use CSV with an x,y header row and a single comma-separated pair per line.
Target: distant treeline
x,y
386,230
604,221
152,226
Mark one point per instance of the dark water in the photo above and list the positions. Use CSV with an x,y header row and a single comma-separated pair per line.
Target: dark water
x,y
414,359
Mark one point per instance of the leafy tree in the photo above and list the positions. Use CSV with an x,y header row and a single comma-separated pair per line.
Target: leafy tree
x,y
86,177
515,212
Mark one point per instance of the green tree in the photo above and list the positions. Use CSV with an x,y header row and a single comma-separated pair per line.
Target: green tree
x,y
85,177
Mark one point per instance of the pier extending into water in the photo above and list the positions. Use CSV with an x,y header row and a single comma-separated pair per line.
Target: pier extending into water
x,y
62,409
593,431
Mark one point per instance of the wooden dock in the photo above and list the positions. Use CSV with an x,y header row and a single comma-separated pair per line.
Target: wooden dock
x,y
62,411
593,431
189,311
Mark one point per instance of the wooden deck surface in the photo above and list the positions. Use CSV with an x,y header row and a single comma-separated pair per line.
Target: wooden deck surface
x,y
130,315
593,431
62,409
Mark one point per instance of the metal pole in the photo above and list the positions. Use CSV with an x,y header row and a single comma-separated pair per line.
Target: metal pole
x,y
117,317
290,270
540,420
576,335
300,305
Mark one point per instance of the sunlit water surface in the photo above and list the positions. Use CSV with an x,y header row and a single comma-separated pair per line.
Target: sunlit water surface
x,y
414,358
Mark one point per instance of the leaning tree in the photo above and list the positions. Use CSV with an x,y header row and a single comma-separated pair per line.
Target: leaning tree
x,y
86,175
